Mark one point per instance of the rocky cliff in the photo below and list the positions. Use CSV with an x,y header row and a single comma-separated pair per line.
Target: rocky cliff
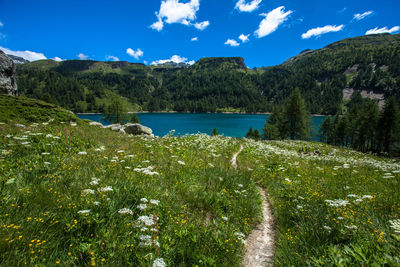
x,y
8,77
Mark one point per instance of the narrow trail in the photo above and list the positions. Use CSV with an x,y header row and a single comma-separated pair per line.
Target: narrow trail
x,y
260,244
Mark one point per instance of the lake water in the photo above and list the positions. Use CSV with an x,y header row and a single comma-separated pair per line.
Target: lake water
x,y
234,125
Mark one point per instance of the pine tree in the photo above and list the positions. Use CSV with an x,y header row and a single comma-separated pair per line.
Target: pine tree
x,y
214,132
297,116
389,125
135,118
116,112
250,133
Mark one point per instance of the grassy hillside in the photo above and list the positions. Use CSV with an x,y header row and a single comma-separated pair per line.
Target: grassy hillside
x,y
365,63
81,195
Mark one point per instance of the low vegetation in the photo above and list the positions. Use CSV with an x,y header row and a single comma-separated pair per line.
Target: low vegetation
x,y
74,194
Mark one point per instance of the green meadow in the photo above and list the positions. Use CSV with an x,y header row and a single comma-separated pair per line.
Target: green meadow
x,y
75,194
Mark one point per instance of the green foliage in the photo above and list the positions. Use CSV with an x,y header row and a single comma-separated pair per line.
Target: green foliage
x,y
31,110
214,132
116,112
134,118
292,121
216,84
365,128
332,206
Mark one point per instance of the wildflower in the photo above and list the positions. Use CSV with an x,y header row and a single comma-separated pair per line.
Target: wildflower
x,y
367,196
125,211
395,224
82,153
47,163
45,153
88,191
329,229
159,262
143,229
211,165
337,202
146,220
352,195
154,202
146,240
144,200
288,180
181,162
120,151
84,211
299,207
94,181
225,218
240,185
351,227
142,206
106,189
96,203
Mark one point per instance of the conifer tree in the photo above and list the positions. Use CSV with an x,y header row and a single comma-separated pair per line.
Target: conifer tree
x,y
250,133
297,116
135,119
389,125
214,132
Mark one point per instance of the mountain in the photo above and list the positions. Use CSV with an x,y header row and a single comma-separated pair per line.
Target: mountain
x,y
326,77
18,60
8,77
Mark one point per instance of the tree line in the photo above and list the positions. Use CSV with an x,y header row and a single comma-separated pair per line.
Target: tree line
x,y
364,127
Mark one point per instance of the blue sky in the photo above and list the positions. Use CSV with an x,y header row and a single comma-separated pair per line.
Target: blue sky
x,y
151,31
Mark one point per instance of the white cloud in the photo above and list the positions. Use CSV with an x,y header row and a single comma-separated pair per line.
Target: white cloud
x,y
28,55
272,21
112,58
175,58
244,38
231,42
194,39
173,11
57,59
82,56
321,30
382,30
136,54
1,24
359,16
247,7
202,25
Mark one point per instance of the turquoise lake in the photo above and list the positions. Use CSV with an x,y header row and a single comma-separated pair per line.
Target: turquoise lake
x,y
234,125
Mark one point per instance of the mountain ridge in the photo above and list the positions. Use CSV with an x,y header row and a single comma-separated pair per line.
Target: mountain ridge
x,y
216,83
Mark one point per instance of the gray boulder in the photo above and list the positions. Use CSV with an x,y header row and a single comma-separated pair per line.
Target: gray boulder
x,y
137,129
95,123
8,76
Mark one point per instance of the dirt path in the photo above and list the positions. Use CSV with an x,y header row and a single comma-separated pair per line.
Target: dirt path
x,y
260,244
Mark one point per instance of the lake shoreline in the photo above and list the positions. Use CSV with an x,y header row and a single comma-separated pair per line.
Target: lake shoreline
x,y
174,112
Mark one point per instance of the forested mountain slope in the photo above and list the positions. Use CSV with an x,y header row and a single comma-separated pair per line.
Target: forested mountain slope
x,y
365,64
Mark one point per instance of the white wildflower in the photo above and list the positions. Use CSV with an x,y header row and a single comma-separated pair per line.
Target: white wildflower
x,y
159,262
337,202
84,211
367,196
143,199
95,181
82,153
125,211
329,229
120,151
142,206
154,202
240,185
288,180
352,195
299,207
351,227
144,229
211,165
88,191
45,153
181,162
395,224
225,218
47,163
106,189
146,220
96,203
